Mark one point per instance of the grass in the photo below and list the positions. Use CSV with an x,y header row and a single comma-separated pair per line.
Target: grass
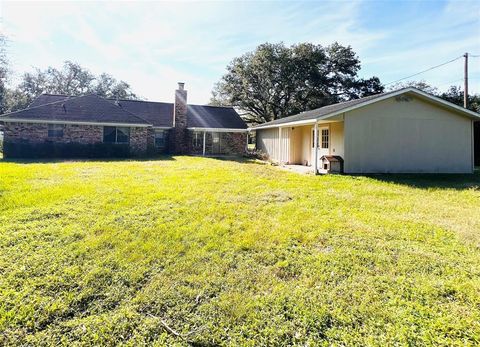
x,y
235,253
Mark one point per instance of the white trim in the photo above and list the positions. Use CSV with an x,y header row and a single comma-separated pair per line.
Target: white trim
x,y
435,99
219,130
297,123
400,92
35,121
162,128
204,141
300,122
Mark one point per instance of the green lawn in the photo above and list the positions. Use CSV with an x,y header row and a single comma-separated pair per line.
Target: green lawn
x,y
235,253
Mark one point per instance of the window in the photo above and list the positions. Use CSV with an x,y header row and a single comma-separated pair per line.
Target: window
x,y
216,143
116,135
159,138
197,140
325,138
55,130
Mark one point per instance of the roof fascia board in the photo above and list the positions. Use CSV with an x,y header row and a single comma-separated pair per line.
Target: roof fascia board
x,y
403,91
39,121
447,103
300,122
219,130
435,99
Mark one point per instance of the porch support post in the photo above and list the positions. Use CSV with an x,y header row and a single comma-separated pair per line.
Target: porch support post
x,y
315,148
204,137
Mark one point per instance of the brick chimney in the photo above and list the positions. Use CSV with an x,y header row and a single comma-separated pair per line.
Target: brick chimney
x,y
180,120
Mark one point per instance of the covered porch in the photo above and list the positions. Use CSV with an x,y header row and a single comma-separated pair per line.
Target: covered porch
x,y
304,144
217,142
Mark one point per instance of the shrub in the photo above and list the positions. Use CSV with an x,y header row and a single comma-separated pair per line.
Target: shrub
x,y
66,150
257,154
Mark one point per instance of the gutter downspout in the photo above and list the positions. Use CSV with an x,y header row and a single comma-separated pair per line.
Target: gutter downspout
x,y
315,146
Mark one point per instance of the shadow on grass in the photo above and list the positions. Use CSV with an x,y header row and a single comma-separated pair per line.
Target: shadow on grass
x,y
426,181
80,159
242,159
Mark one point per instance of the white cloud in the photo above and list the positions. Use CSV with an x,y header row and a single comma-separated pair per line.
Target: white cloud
x,y
156,44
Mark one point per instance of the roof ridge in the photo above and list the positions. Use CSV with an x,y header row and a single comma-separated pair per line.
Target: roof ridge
x,y
344,102
334,109
211,106
149,101
121,108
38,106
38,96
77,97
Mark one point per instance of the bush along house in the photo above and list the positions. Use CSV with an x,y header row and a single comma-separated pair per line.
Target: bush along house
x,y
92,126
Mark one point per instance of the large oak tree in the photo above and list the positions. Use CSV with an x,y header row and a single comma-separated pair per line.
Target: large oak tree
x,y
276,81
70,79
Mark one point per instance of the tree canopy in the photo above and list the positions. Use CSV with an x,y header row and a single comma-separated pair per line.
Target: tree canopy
x,y
454,94
70,79
3,73
276,81
422,85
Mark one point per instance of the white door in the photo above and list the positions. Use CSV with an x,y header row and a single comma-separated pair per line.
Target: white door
x,y
323,143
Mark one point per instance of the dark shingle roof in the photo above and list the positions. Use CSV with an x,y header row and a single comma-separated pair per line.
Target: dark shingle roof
x,y
158,114
47,99
323,111
87,108
214,117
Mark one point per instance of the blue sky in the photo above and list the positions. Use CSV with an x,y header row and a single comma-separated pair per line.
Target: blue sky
x,y
152,45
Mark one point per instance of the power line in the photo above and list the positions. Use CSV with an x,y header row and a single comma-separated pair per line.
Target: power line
x,y
418,73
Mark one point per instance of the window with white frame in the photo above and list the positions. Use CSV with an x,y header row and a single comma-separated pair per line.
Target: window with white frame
x,y
160,138
116,134
325,138
55,130
197,140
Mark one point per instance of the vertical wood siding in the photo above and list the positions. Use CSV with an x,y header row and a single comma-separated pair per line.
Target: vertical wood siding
x,y
275,143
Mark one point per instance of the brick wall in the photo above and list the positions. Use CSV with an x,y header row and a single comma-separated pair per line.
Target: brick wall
x,y
230,144
179,140
72,134
236,143
151,148
138,141
38,133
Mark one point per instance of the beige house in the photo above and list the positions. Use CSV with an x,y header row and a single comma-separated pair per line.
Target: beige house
x,y
404,131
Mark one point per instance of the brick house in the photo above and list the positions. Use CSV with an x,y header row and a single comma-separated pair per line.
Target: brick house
x,y
92,126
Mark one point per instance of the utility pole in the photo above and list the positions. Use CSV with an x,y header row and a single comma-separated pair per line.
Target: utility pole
x,y
465,76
